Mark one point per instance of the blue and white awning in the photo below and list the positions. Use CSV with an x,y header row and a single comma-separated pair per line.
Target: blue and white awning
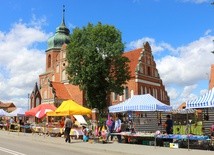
x,y
144,102
204,101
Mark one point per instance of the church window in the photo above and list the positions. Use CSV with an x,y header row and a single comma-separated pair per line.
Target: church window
x,y
149,90
57,68
156,73
145,90
114,96
49,61
156,93
37,101
153,92
63,75
126,93
141,68
45,95
141,90
121,98
148,71
161,94
132,93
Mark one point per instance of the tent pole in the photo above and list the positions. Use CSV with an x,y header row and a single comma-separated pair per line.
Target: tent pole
x,y
157,129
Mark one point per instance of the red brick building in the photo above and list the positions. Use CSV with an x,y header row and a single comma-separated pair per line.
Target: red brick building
x,y
144,76
211,82
54,86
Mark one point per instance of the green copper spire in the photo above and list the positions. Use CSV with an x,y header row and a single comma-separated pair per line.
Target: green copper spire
x,y
61,36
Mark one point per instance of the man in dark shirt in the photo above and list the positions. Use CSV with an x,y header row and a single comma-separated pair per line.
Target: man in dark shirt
x,y
169,125
67,126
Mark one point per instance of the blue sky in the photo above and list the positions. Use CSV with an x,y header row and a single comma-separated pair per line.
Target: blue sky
x,y
180,33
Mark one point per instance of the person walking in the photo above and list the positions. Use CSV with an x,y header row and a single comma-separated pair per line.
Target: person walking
x,y
68,126
110,127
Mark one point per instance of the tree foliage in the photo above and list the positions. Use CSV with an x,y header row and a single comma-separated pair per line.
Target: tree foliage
x,y
96,64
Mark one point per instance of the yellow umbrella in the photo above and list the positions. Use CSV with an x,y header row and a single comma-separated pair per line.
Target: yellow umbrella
x,y
70,107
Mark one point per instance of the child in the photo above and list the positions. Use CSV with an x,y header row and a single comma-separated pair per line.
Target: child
x,y
85,134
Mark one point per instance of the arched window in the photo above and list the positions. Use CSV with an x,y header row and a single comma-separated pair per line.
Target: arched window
x,y
49,61
57,68
141,68
45,94
141,90
121,98
148,71
161,94
153,92
63,75
145,90
37,101
132,93
114,96
53,77
156,73
126,93
149,90
156,93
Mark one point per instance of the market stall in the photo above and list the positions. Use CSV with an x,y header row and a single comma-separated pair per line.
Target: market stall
x,y
40,110
70,107
205,101
144,102
141,103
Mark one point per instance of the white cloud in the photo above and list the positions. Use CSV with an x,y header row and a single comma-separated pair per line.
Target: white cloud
x,y
173,93
207,32
20,63
192,64
155,48
184,67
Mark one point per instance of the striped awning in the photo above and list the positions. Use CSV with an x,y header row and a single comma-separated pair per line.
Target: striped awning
x,y
144,102
204,101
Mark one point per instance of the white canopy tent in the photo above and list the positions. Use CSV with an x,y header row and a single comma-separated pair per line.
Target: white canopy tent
x,y
3,113
204,101
80,119
144,102
17,112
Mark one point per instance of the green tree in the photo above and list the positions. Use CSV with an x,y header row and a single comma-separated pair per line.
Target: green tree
x,y
96,64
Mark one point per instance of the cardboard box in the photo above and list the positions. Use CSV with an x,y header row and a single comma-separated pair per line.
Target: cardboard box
x,y
174,145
